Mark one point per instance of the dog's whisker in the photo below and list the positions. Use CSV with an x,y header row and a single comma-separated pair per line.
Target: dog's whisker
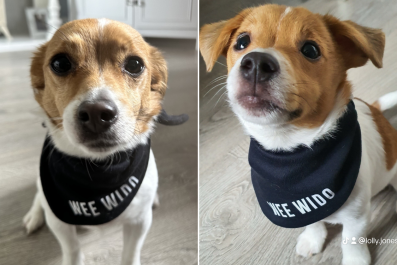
x,y
216,79
214,87
56,118
221,64
56,29
87,169
217,93
220,98
294,94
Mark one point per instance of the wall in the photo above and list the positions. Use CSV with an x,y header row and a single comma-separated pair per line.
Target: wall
x,y
63,3
16,18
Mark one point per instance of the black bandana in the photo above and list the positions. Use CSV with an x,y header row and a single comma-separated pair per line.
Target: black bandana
x,y
81,192
301,187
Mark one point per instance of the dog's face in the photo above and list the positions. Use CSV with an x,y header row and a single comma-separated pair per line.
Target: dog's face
x,y
100,84
288,65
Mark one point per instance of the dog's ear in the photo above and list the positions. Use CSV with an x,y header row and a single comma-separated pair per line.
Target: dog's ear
x,y
158,85
215,38
37,72
36,68
159,72
356,43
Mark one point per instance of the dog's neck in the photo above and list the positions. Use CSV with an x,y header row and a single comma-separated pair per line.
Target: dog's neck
x,y
65,145
286,137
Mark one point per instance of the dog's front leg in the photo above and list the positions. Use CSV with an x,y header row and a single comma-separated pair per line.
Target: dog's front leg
x,y
134,234
67,237
354,228
311,240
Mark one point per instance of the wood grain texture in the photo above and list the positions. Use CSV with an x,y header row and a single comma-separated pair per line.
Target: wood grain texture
x,y
173,236
233,229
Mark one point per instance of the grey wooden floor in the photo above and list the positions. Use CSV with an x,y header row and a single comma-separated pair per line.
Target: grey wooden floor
x,y
233,229
173,236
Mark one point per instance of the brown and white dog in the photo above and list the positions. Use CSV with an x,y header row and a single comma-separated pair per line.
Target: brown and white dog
x,y
287,84
101,87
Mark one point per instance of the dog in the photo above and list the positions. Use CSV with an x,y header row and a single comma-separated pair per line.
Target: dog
x,y
287,84
100,86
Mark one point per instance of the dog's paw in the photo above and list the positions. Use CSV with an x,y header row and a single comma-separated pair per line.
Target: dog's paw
x,y
33,220
356,255
309,244
356,260
79,259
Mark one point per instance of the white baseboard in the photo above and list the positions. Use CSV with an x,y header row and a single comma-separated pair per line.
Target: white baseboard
x,y
19,44
178,34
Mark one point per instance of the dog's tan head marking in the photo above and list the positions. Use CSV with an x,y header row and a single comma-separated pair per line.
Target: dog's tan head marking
x,y
99,62
288,65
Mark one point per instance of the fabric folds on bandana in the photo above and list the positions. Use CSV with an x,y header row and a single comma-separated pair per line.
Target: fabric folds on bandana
x,y
306,185
81,192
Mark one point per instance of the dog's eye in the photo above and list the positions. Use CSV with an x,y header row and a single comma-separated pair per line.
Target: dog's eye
x,y
61,64
310,50
242,42
134,65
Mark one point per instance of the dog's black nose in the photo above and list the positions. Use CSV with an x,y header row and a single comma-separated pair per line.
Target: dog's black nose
x,y
259,66
97,116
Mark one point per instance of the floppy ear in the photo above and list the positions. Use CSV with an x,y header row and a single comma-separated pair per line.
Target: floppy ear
x,y
215,38
159,72
356,43
36,68
37,72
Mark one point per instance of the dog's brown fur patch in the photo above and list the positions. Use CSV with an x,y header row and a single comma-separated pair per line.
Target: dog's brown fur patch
x,y
376,105
388,134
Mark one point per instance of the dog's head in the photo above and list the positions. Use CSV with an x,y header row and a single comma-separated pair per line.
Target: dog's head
x,y
100,84
287,65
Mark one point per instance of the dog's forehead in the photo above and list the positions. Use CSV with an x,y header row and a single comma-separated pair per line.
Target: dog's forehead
x,y
271,23
116,33
89,36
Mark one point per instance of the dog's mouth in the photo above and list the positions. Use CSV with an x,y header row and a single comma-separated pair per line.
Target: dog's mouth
x,y
101,145
104,143
265,105
256,103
